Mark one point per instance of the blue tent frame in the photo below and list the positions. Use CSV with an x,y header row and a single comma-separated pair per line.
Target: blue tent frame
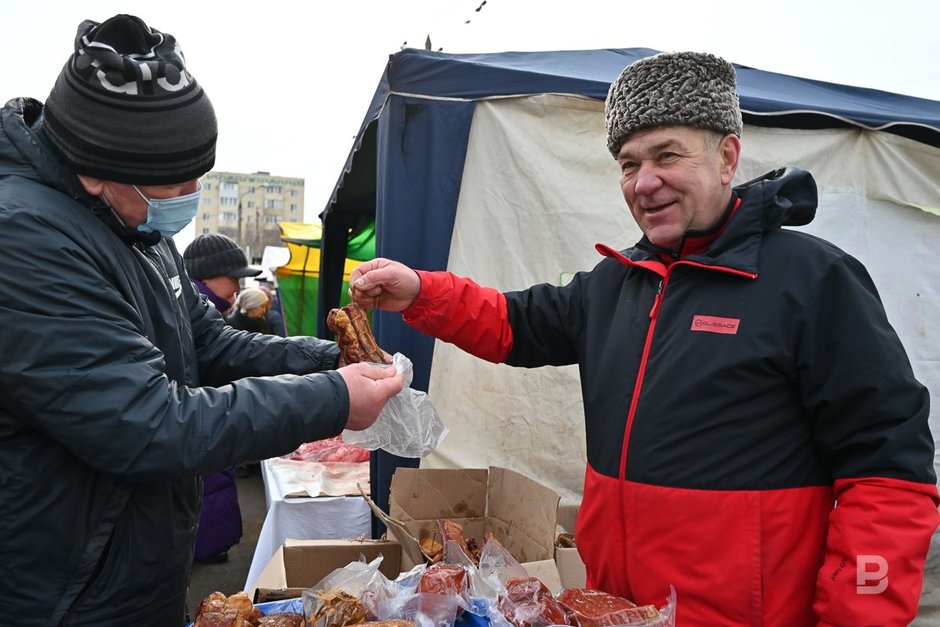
x,y
405,166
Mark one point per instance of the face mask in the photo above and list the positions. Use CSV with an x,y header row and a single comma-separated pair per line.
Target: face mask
x,y
170,215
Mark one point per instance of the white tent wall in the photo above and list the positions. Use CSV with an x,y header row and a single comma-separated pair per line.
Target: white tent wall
x,y
539,190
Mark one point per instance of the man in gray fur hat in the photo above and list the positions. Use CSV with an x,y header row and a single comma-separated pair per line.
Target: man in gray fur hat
x,y
120,385
756,438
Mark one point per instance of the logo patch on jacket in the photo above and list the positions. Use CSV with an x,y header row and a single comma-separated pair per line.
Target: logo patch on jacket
x,y
177,286
715,324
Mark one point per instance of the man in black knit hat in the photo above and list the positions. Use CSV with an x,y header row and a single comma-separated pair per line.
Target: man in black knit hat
x,y
120,384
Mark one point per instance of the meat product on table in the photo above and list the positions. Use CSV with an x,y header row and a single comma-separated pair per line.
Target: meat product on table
x,y
529,603
593,608
444,578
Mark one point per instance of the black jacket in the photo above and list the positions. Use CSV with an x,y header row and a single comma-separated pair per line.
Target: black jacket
x,y
119,386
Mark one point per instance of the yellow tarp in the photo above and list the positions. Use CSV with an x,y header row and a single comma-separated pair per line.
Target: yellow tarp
x,y
303,241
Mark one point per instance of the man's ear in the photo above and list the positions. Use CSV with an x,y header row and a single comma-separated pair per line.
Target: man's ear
x,y
92,185
730,151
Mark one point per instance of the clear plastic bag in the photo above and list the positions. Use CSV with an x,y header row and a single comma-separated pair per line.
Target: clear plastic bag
x,y
337,599
408,425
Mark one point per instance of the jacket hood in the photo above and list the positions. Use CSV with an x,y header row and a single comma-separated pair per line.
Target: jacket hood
x,y
783,197
23,154
788,197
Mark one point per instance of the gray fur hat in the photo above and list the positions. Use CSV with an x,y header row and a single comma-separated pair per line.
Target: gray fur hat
x,y
694,89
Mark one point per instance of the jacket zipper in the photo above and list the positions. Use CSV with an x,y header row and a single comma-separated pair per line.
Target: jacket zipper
x,y
638,385
654,316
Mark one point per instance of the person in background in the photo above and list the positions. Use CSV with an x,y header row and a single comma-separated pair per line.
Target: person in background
x,y
756,437
120,385
217,266
250,311
275,316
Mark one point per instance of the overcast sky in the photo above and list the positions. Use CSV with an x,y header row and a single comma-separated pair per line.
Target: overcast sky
x,y
291,80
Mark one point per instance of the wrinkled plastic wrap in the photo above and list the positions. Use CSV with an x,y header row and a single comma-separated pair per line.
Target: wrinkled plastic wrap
x,y
408,425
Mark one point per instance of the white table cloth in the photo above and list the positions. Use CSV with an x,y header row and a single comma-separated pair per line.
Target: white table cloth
x,y
303,518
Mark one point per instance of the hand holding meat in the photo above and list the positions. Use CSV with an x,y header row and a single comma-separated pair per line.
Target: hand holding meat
x,y
384,284
370,386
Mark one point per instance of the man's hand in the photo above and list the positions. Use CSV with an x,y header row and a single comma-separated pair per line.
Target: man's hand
x,y
370,386
384,284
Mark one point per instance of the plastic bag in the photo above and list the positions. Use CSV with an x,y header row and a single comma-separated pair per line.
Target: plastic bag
x,y
337,598
408,425
594,608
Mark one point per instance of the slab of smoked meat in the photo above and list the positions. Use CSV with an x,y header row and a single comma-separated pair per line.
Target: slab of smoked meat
x,y
354,335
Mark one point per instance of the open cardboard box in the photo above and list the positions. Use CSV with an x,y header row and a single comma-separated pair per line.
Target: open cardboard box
x,y
570,567
301,564
518,511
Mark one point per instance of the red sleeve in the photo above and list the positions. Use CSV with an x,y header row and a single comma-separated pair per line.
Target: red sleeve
x,y
879,534
457,310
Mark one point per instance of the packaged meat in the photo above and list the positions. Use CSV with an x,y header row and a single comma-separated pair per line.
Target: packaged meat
x,y
529,603
336,609
593,608
444,578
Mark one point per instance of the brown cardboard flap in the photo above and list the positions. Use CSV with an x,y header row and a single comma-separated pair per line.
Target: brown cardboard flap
x,y
303,563
568,516
570,568
526,510
432,493
410,547
263,595
307,565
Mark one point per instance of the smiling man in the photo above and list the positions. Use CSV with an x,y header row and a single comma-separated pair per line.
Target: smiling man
x,y
755,434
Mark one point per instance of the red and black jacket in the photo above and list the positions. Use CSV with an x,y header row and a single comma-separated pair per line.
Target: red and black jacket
x,y
731,397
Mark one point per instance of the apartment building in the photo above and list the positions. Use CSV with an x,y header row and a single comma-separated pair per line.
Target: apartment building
x,y
248,207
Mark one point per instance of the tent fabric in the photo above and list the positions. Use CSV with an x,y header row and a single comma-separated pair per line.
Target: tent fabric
x,y
495,166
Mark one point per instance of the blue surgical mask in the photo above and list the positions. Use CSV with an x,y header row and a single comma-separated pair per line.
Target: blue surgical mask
x,y
170,215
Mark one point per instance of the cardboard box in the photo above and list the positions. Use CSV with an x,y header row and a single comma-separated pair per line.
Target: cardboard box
x,y
300,564
570,567
518,511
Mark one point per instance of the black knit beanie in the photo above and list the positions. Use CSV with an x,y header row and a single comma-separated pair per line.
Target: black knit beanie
x,y
693,89
214,254
125,109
